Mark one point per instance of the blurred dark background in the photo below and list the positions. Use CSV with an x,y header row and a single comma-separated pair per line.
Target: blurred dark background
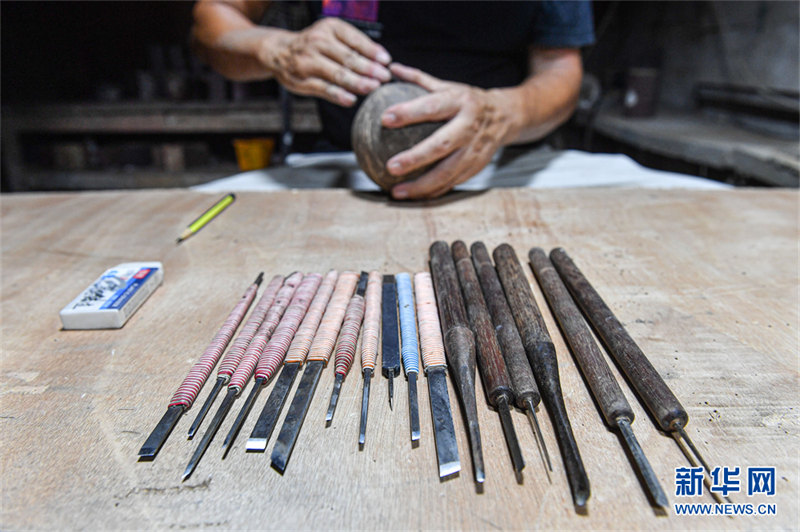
x,y
107,95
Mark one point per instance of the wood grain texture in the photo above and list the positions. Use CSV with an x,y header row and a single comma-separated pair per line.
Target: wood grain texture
x,y
706,282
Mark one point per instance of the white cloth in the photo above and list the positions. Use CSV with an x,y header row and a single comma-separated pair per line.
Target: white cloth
x,y
541,168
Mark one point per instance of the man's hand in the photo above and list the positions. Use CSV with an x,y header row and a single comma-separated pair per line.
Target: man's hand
x,y
330,59
478,123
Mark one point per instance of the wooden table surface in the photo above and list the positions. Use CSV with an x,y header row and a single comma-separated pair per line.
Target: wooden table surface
x,y
707,282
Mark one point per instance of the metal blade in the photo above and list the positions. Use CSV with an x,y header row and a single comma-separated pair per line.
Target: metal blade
x,y
413,406
243,413
297,413
219,417
272,409
337,387
443,430
221,381
162,431
511,435
362,432
646,470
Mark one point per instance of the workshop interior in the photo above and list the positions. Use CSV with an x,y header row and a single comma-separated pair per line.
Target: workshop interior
x,y
215,315
108,95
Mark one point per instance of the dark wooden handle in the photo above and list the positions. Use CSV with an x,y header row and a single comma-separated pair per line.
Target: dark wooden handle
x,y
490,359
601,381
519,369
459,341
641,374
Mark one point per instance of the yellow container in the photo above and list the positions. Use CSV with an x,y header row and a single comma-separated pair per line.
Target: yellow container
x,y
252,154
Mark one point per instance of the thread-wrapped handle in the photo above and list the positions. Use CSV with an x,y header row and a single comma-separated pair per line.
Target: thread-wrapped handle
x,y
430,331
328,331
305,334
348,338
372,321
278,344
250,359
408,324
190,387
234,355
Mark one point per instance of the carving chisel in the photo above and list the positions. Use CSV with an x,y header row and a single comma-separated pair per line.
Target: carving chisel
x,y
348,339
526,394
435,364
234,355
645,379
369,345
459,344
390,341
542,357
245,370
318,356
490,360
187,392
295,358
275,350
409,348
604,387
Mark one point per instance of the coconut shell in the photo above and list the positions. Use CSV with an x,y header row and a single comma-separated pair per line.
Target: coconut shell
x,y
374,144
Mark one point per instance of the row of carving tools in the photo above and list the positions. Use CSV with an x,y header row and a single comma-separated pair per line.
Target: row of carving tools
x,y
467,310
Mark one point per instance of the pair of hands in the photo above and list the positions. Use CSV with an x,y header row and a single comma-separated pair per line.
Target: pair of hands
x,y
333,60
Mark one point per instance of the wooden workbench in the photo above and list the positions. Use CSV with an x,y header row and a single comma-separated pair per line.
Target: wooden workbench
x,y
707,282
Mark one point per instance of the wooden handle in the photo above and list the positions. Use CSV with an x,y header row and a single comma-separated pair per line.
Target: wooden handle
x,y
601,381
490,360
519,369
641,374
459,342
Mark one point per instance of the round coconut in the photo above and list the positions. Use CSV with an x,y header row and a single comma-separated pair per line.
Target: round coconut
x,y
374,144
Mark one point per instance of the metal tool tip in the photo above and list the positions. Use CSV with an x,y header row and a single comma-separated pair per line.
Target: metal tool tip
x,y
257,445
147,452
278,463
187,473
580,497
480,475
415,435
391,391
449,469
178,241
337,386
362,439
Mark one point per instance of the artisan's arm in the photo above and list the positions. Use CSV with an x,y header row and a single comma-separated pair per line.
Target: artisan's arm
x,y
330,59
479,121
547,98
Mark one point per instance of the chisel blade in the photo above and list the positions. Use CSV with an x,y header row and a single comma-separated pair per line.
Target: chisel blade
x,y
296,415
257,442
160,434
443,430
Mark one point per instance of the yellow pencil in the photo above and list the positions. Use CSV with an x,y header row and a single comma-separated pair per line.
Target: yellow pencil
x,y
206,217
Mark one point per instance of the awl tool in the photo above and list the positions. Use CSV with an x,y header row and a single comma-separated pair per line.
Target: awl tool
x,y
604,387
369,345
246,367
643,377
275,350
435,364
409,347
523,385
459,344
295,358
234,355
542,357
390,341
187,392
348,339
490,360
318,355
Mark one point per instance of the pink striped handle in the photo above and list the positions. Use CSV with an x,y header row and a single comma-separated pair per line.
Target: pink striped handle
x,y
250,359
348,338
430,331
276,349
190,387
234,355
372,321
325,339
305,334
